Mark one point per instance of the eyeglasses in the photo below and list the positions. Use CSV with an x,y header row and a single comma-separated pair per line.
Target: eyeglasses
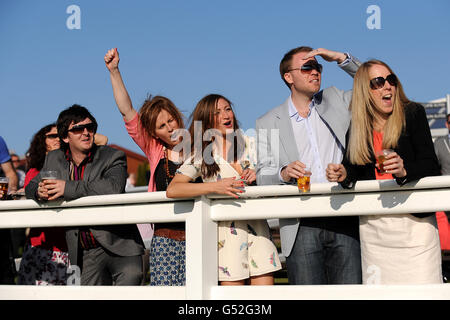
x,y
309,66
378,82
52,135
90,127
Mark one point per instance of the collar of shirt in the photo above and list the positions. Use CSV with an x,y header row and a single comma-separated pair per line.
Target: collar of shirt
x,y
293,111
86,160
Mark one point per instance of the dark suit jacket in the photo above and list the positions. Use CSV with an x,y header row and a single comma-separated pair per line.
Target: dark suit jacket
x,y
106,174
415,147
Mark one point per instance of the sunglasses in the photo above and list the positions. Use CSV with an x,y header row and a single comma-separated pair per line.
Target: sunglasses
x,y
90,127
309,66
378,82
52,135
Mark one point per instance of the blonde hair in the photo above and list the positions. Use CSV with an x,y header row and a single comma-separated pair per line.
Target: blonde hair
x,y
363,108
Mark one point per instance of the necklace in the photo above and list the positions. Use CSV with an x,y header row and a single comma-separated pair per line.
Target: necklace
x,y
166,165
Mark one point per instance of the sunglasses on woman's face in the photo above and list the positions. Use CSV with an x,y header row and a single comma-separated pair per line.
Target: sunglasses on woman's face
x,y
79,129
52,135
378,82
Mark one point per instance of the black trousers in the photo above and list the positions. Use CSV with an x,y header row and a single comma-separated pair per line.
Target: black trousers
x,y
7,267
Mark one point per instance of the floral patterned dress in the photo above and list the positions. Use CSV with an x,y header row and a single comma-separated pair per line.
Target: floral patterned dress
x,y
245,247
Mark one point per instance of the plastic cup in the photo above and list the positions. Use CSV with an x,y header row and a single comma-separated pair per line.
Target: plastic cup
x,y
4,182
381,157
48,175
304,183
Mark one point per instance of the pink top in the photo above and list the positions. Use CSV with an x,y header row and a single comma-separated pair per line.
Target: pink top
x,y
151,147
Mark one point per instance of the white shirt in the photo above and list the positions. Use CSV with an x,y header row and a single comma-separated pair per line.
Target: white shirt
x,y
316,144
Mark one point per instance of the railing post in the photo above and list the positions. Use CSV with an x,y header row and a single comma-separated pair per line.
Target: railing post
x,y
201,251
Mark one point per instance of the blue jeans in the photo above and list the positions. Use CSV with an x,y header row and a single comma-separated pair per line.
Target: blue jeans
x,y
320,256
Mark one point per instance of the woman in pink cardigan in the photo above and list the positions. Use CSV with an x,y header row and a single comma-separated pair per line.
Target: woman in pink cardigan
x,y
152,129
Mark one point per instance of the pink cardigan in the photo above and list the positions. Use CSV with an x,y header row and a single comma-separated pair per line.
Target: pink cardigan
x,y
154,151
151,147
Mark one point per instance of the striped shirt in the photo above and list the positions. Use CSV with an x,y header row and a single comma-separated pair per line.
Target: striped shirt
x,y
76,173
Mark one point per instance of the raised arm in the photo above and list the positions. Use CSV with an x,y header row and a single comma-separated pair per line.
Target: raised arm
x,y
347,62
121,96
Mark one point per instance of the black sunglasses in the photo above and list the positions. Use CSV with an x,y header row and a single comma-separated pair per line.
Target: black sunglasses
x,y
378,82
52,135
90,127
309,66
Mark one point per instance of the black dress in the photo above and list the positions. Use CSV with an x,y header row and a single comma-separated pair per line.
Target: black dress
x,y
162,181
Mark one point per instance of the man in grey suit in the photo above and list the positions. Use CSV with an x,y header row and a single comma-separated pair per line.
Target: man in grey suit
x,y
442,149
106,254
309,129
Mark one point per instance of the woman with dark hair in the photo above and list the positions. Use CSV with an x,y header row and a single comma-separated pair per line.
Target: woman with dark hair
x,y
45,259
152,129
399,248
225,164
45,140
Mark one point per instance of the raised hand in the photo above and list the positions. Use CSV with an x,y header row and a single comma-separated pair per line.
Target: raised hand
x,y
121,96
112,59
327,55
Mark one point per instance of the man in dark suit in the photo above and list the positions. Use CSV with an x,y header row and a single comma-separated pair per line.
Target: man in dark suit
x,y
106,254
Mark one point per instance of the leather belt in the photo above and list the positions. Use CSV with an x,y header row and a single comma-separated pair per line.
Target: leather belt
x,y
179,235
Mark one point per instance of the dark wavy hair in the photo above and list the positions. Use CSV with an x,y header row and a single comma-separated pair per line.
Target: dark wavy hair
x,y
75,114
38,148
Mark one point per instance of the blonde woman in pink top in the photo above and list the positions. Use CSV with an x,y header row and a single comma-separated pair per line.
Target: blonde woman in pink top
x,y
152,129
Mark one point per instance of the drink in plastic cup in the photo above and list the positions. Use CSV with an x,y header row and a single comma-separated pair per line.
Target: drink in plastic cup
x,y
381,156
49,174
303,183
4,181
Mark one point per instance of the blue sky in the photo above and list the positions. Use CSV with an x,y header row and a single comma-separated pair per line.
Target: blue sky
x,y
185,49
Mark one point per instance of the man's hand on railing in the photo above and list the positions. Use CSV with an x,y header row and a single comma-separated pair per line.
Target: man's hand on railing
x,y
51,189
336,172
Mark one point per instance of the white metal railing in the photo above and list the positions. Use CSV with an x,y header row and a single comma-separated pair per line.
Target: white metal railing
x,y
201,216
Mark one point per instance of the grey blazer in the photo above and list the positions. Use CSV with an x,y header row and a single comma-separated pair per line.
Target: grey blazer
x,y
442,149
277,147
106,174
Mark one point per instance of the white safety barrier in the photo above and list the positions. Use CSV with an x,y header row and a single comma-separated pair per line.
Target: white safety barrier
x,y
201,216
